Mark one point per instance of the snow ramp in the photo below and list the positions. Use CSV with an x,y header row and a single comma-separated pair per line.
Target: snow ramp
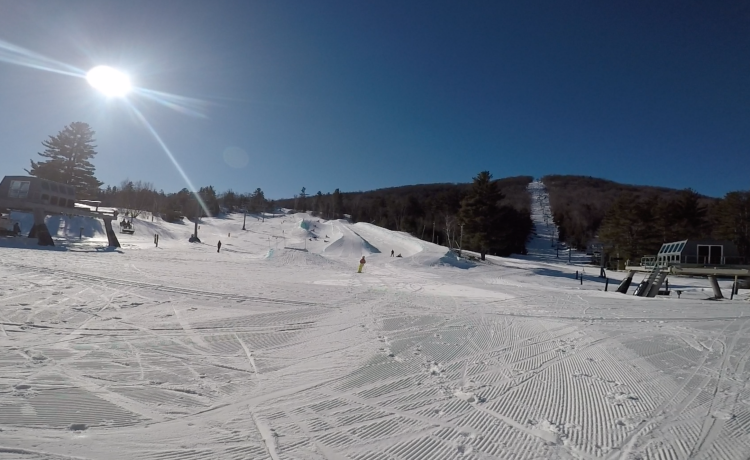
x,y
348,243
387,240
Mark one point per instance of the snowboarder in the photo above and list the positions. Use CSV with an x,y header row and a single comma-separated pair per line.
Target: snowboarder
x,y
392,253
218,247
362,263
16,229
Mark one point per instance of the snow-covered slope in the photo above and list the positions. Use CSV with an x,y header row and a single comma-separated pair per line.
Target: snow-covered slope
x,y
276,348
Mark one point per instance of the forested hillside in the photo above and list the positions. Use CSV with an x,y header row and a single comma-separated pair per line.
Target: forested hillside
x,y
632,221
428,211
496,213
488,216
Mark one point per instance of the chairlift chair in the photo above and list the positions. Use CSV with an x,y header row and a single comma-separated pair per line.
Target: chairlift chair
x,y
126,225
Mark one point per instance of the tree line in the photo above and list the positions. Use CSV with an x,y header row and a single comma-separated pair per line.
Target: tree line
x,y
487,216
495,214
633,221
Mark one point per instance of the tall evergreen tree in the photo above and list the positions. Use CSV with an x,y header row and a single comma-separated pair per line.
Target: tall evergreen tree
x,y
258,201
691,215
303,200
480,213
318,203
69,154
208,195
629,228
732,216
338,204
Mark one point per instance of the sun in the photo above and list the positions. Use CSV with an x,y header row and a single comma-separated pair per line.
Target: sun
x,y
109,81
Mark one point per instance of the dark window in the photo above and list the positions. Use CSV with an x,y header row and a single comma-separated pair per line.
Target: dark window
x,y
71,203
19,189
45,198
53,201
716,253
703,254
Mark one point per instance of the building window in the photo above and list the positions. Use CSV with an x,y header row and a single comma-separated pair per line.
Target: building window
x,y
45,198
19,189
53,201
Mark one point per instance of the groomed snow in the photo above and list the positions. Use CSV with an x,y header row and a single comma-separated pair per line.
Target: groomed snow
x,y
276,348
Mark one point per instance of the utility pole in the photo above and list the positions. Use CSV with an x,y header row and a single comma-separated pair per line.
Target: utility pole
x,y
433,231
244,218
197,215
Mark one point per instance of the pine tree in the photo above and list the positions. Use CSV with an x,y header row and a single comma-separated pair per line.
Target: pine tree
x,y
732,217
208,195
258,200
302,200
318,204
480,213
629,229
69,154
338,204
691,215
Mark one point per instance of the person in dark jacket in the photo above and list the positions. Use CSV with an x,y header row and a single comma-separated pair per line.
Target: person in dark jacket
x,y
218,247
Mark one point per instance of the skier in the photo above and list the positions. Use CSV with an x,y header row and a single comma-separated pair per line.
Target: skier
x,y
218,247
362,263
16,229
391,252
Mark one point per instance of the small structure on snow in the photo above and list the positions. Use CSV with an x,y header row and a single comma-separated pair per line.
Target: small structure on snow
x,y
44,197
696,257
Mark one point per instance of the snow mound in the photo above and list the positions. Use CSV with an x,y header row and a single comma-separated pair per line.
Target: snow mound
x,y
451,259
348,244
388,240
297,257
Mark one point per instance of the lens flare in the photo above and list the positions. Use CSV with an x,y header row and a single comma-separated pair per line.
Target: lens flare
x,y
113,83
164,147
109,81
235,157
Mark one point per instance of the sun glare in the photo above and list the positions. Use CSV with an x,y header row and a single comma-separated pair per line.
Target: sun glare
x,y
109,81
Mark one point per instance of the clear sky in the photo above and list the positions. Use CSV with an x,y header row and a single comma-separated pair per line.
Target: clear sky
x,y
359,95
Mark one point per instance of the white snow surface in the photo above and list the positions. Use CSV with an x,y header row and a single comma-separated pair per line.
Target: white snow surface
x,y
275,348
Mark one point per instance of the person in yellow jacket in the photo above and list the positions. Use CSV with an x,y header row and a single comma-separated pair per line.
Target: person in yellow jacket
x,y
362,263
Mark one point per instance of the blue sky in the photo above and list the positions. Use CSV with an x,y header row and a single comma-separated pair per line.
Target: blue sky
x,y
359,95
